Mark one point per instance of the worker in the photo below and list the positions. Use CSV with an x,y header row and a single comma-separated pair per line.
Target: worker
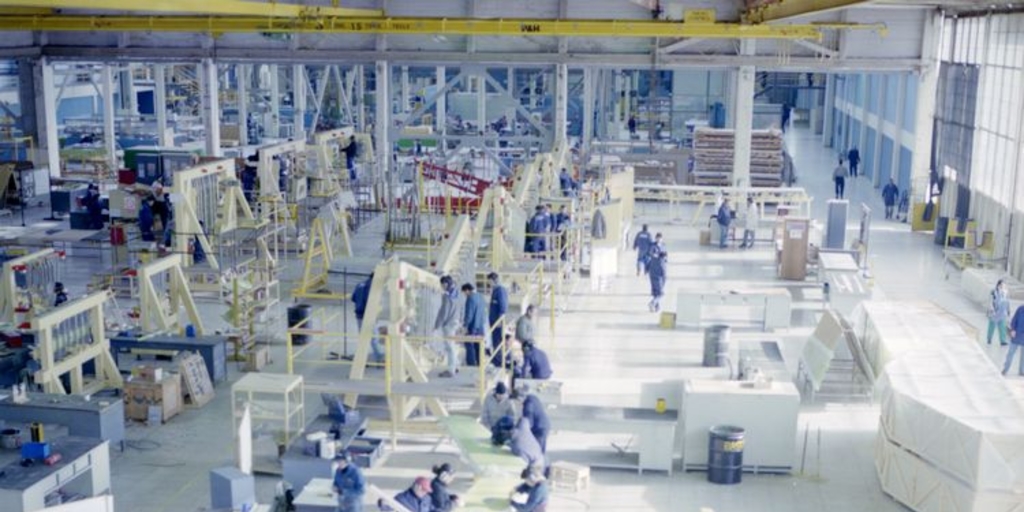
x,y
496,317
839,177
160,202
724,218
536,364
854,157
249,175
524,445
417,497
169,233
532,494
146,220
496,406
656,247
360,299
563,219
440,499
642,245
60,295
473,323
786,113
94,206
656,273
890,192
524,325
351,151
567,183
998,312
198,253
533,409
1016,340
447,323
632,126
750,222
536,229
349,484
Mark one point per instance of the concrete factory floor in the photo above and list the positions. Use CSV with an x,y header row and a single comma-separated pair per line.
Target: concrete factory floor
x,y
605,339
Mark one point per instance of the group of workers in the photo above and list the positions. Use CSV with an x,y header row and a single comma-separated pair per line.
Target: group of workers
x,y
543,227
520,420
999,320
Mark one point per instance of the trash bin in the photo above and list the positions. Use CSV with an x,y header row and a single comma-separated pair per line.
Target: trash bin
x,y
716,345
725,454
296,315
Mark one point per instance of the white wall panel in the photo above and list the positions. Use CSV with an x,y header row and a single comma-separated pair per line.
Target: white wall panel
x,y
904,38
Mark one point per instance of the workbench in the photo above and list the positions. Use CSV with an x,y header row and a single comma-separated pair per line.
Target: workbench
x,y
317,496
99,418
774,305
84,470
768,415
299,468
654,432
212,348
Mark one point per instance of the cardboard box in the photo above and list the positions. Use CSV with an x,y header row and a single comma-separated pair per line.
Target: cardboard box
x,y
140,395
257,358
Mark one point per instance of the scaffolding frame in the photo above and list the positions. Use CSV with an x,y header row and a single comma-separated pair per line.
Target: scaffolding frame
x,y
60,355
328,239
15,299
156,314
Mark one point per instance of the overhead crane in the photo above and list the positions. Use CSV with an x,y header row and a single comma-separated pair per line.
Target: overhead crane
x,y
698,23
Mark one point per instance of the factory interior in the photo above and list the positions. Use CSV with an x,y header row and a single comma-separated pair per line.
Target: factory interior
x,y
480,255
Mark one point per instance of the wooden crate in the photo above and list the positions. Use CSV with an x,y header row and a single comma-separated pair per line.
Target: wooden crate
x,y
139,395
198,387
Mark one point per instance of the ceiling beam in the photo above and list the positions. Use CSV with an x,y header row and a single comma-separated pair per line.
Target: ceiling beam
x,y
778,10
412,26
680,45
455,58
218,7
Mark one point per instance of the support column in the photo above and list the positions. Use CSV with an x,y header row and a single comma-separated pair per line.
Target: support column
x,y
211,107
382,120
927,88
481,101
243,74
109,137
588,109
160,105
361,99
441,105
273,130
129,97
862,104
828,109
405,90
561,104
46,131
876,159
897,143
299,101
744,116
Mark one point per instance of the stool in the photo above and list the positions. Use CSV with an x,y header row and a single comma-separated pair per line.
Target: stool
x,y
570,476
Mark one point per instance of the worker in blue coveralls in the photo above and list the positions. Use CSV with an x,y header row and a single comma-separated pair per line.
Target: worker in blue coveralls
x,y
536,364
1016,340
495,316
536,230
351,151
473,323
567,183
360,298
146,220
350,484
642,245
533,409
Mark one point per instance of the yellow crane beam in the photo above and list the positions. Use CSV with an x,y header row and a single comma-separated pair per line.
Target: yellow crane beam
x,y
213,7
411,26
783,9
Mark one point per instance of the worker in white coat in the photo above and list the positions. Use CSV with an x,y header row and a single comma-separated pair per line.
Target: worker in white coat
x,y
750,221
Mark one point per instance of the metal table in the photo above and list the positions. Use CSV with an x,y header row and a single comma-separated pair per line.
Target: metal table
x,y
212,348
655,432
99,418
84,470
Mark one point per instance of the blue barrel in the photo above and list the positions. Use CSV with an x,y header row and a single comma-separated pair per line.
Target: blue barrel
x,y
296,315
725,454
